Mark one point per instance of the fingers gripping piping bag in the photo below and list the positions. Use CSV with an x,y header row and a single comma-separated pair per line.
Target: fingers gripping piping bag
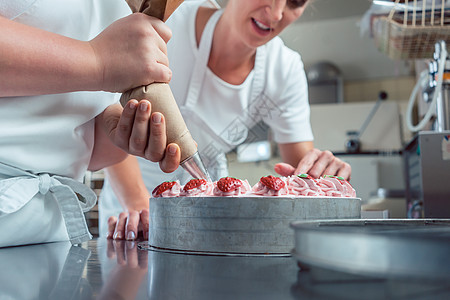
x,y
161,97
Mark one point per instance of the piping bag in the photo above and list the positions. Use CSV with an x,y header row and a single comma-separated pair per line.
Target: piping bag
x,y
161,97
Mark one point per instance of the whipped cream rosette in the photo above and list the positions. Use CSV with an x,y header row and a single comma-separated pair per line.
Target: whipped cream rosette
x,y
196,188
230,186
335,186
271,186
304,185
167,189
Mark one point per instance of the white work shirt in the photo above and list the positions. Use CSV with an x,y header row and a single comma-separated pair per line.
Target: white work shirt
x,y
43,136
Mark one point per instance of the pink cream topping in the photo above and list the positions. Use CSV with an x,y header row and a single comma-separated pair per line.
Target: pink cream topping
x,y
271,186
197,187
230,186
167,189
304,185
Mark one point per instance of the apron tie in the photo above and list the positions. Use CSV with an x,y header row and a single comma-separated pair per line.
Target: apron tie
x,y
44,183
18,187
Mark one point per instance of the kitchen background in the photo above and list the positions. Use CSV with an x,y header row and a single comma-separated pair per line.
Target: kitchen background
x,y
346,74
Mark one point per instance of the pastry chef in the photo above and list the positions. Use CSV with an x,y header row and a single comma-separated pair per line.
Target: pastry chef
x,y
230,71
55,57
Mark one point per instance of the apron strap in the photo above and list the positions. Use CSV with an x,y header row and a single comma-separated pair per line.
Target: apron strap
x,y
201,62
198,75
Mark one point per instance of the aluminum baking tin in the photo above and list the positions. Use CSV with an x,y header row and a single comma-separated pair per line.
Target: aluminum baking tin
x,y
405,248
239,226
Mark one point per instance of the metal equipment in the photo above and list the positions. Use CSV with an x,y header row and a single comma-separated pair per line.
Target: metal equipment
x,y
427,163
412,249
427,156
353,144
325,83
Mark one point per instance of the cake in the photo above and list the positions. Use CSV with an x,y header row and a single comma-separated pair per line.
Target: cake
x,y
302,185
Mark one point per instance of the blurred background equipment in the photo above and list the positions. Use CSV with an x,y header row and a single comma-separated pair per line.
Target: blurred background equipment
x,y
353,144
325,83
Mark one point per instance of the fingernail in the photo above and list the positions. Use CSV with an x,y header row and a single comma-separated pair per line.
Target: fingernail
x,y
156,118
172,149
131,236
143,106
132,105
118,235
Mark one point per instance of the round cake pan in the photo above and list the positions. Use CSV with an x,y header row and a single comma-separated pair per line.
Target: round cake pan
x,y
392,248
238,225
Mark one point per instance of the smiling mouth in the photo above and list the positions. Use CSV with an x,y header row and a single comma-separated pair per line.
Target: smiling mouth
x,y
261,25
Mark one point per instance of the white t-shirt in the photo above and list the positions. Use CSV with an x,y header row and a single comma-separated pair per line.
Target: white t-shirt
x,y
48,135
54,133
274,92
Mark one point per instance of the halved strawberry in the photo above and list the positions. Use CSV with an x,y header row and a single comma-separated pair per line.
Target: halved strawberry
x,y
194,183
228,184
272,182
305,176
167,185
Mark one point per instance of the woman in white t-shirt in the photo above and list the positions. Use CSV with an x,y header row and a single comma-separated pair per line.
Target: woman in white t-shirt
x,y
52,130
230,71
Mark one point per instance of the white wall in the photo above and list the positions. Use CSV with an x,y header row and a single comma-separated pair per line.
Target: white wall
x,y
339,41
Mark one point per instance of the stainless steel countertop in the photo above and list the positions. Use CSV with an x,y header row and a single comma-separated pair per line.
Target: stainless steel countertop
x,y
101,269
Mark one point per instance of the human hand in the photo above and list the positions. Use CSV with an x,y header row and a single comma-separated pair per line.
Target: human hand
x,y
132,52
129,225
317,163
141,133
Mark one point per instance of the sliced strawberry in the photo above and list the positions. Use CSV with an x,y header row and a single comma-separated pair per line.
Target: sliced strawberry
x,y
228,184
167,185
272,182
194,183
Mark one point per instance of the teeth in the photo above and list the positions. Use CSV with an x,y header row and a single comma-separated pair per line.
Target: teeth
x,y
260,25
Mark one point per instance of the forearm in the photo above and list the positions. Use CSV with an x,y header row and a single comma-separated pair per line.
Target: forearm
x,y
128,185
35,62
292,153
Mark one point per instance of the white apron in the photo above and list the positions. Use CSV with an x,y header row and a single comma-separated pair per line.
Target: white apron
x,y
218,143
42,207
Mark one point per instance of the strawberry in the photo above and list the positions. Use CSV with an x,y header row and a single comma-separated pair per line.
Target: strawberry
x,y
194,183
305,176
228,184
272,182
167,185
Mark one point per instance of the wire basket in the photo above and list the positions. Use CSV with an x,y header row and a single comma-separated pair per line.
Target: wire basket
x,y
412,33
